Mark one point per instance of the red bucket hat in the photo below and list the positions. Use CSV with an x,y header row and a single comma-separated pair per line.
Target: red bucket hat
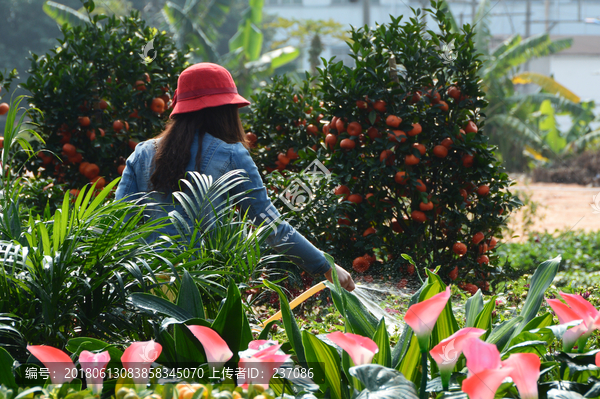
x,y
205,85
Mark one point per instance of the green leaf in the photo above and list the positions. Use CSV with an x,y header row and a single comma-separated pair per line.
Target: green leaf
x,y
7,377
229,323
189,298
159,305
381,338
383,383
80,344
555,141
289,323
484,319
501,333
275,59
325,363
358,318
64,15
541,280
188,348
473,307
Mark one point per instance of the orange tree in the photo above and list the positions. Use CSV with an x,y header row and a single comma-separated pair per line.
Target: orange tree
x,y
406,139
100,97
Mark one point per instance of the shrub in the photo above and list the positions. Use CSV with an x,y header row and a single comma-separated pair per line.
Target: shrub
x,y
405,139
99,97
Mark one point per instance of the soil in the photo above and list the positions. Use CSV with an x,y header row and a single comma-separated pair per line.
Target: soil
x,y
559,207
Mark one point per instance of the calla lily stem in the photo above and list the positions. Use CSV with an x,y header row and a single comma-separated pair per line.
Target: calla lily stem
x,y
423,390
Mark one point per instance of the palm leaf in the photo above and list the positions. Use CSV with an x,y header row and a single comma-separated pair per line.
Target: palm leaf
x,y
506,45
514,128
561,104
482,27
64,15
547,83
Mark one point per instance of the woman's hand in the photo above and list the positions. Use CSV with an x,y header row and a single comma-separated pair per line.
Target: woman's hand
x,y
345,279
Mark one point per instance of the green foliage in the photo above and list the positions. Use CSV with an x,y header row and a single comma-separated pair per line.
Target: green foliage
x,y
97,65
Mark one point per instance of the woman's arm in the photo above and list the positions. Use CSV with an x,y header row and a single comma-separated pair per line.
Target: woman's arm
x,y
284,237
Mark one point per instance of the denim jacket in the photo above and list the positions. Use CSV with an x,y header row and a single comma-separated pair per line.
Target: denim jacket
x,y
217,159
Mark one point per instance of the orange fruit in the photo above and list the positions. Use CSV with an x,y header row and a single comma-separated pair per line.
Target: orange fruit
x,y
410,269
77,158
102,133
470,288
342,190
166,98
84,121
426,206
454,273
147,76
120,169
312,129
467,161
158,105
373,133
100,182
347,144
126,125
251,138
434,96
418,216
461,135
483,190
459,248
362,104
360,264
91,171
369,200
74,192
369,231
283,159
354,129
69,149
416,97
102,104
140,85
4,107
454,92
356,198
134,114
463,192
483,259
440,151
416,129
396,227
411,160
387,156
421,186
471,127
478,237
398,135
483,248
393,121
82,167
295,98
291,154
493,242
132,144
340,126
91,135
344,221
117,126
444,106
401,177
420,147
380,106
447,142
331,141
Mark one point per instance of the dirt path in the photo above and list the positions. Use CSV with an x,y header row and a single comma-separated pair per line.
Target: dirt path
x,y
557,206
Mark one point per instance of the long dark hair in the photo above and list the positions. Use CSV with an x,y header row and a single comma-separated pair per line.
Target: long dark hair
x,y
174,153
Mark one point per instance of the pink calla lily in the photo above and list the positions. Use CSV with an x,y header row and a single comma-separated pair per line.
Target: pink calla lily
x,y
597,359
447,352
93,365
525,373
216,349
361,349
58,363
485,383
571,336
480,356
260,367
139,357
422,316
577,308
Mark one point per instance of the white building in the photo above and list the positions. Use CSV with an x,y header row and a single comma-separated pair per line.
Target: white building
x,y
578,68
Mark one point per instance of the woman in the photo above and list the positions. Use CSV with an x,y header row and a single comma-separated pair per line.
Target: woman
x,y
206,135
